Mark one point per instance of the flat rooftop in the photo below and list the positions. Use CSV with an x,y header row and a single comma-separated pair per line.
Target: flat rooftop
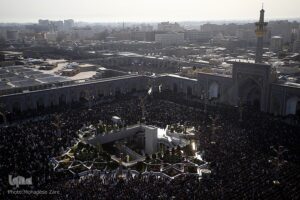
x,y
21,76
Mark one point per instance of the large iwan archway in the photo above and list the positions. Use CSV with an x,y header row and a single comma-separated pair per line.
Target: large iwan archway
x,y
214,90
250,93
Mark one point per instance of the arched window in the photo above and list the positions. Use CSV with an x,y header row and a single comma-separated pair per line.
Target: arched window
x,y
175,88
62,99
189,91
213,91
291,105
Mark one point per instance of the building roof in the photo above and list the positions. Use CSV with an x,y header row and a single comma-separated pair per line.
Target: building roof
x,y
53,79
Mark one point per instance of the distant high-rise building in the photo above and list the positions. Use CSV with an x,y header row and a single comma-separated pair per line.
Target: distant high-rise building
x,y
146,28
296,45
68,24
276,44
167,39
211,28
83,33
197,36
281,28
260,32
3,34
57,25
245,34
44,22
169,27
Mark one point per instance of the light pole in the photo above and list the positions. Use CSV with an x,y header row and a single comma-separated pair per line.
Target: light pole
x,y
90,99
214,127
185,127
150,86
58,124
142,104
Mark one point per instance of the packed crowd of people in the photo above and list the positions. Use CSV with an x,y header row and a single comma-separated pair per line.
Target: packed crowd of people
x,y
241,155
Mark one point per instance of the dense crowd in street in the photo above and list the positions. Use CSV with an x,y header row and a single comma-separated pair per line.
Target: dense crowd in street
x,y
242,155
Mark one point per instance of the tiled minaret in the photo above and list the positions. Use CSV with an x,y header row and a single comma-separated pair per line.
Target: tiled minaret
x,y
260,32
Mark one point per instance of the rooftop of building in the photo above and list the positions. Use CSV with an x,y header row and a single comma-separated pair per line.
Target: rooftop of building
x,y
33,75
22,76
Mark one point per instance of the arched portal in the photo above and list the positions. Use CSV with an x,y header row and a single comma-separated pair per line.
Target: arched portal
x,y
73,97
276,107
100,93
292,106
83,96
16,107
117,92
298,109
62,99
214,90
175,88
253,97
189,91
250,93
133,90
52,104
40,104
3,119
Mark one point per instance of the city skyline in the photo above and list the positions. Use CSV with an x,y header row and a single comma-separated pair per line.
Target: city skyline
x,y
143,11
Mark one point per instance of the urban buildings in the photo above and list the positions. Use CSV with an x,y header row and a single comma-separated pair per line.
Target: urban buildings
x,y
217,59
167,39
108,111
169,27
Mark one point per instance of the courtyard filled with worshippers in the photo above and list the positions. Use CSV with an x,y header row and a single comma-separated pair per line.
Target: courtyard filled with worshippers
x,y
256,157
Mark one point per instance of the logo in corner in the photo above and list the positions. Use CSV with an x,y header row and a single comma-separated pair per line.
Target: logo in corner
x,y
19,180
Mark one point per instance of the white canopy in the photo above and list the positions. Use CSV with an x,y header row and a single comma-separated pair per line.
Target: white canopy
x,y
116,119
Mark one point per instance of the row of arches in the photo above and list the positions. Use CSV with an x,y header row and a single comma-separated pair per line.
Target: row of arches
x,y
39,104
293,106
213,90
83,96
249,92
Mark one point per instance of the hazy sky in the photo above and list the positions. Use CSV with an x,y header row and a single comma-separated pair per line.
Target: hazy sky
x,y
144,10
